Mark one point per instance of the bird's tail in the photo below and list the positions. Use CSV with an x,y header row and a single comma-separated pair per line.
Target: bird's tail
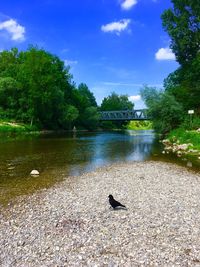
x,y
122,206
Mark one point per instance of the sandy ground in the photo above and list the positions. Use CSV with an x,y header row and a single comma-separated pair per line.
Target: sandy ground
x,y
71,224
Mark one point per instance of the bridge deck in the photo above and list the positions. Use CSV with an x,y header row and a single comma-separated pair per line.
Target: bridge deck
x,y
124,115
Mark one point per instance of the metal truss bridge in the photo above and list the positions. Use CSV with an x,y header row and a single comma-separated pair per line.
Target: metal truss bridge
x,y
124,115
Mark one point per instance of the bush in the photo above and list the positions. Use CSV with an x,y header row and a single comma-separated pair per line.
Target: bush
x,y
166,113
107,125
184,136
9,126
139,125
191,123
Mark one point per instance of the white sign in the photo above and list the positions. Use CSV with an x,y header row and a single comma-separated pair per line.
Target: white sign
x,y
191,111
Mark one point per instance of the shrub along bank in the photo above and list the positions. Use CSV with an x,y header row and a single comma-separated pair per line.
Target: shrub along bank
x,y
13,127
140,125
181,142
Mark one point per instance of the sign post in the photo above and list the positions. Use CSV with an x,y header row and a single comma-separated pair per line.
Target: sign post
x,y
190,112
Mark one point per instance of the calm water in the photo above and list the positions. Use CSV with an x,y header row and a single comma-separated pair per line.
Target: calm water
x,y
57,157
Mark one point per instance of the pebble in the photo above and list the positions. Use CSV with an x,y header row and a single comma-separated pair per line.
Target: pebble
x,y
34,172
71,223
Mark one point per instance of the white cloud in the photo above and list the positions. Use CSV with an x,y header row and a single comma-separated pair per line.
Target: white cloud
x,y
70,62
16,31
116,26
165,54
128,4
134,98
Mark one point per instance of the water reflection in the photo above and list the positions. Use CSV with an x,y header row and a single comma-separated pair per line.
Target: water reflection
x,y
118,147
56,157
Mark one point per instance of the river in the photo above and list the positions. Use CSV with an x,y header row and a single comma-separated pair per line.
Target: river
x,y
58,156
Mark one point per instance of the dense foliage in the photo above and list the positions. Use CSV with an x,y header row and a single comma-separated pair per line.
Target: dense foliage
x,y
87,106
116,102
36,88
184,84
185,137
182,23
165,111
140,125
182,87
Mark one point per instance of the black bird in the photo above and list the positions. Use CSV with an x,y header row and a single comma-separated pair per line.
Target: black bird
x,y
114,203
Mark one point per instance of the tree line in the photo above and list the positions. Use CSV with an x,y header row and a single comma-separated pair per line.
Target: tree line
x,y
36,88
169,107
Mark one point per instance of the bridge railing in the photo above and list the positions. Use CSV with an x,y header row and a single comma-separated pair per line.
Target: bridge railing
x,y
124,115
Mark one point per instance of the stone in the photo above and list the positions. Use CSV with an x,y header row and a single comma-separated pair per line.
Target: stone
x,y
179,153
166,142
159,228
189,164
34,172
183,147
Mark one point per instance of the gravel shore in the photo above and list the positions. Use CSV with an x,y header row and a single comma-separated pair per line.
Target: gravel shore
x,y
71,223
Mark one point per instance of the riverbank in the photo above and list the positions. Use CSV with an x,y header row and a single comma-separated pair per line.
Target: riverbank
x,y
14,127
71,224
183,142
12,130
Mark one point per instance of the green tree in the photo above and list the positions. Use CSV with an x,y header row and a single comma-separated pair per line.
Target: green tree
x,y
166,113
116,102
85,101
184,84
43,77
37,88
87,95
69,115
90,118
182,22
9,63
8,96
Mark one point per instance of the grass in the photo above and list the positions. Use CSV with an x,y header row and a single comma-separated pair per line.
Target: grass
x,y
139,125
185,136
13,127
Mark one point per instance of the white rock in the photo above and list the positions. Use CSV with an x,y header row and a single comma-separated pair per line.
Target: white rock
x,y
189,164
179,153
34,172
183,147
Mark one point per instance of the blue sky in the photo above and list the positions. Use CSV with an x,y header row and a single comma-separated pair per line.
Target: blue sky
x,y
111,45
